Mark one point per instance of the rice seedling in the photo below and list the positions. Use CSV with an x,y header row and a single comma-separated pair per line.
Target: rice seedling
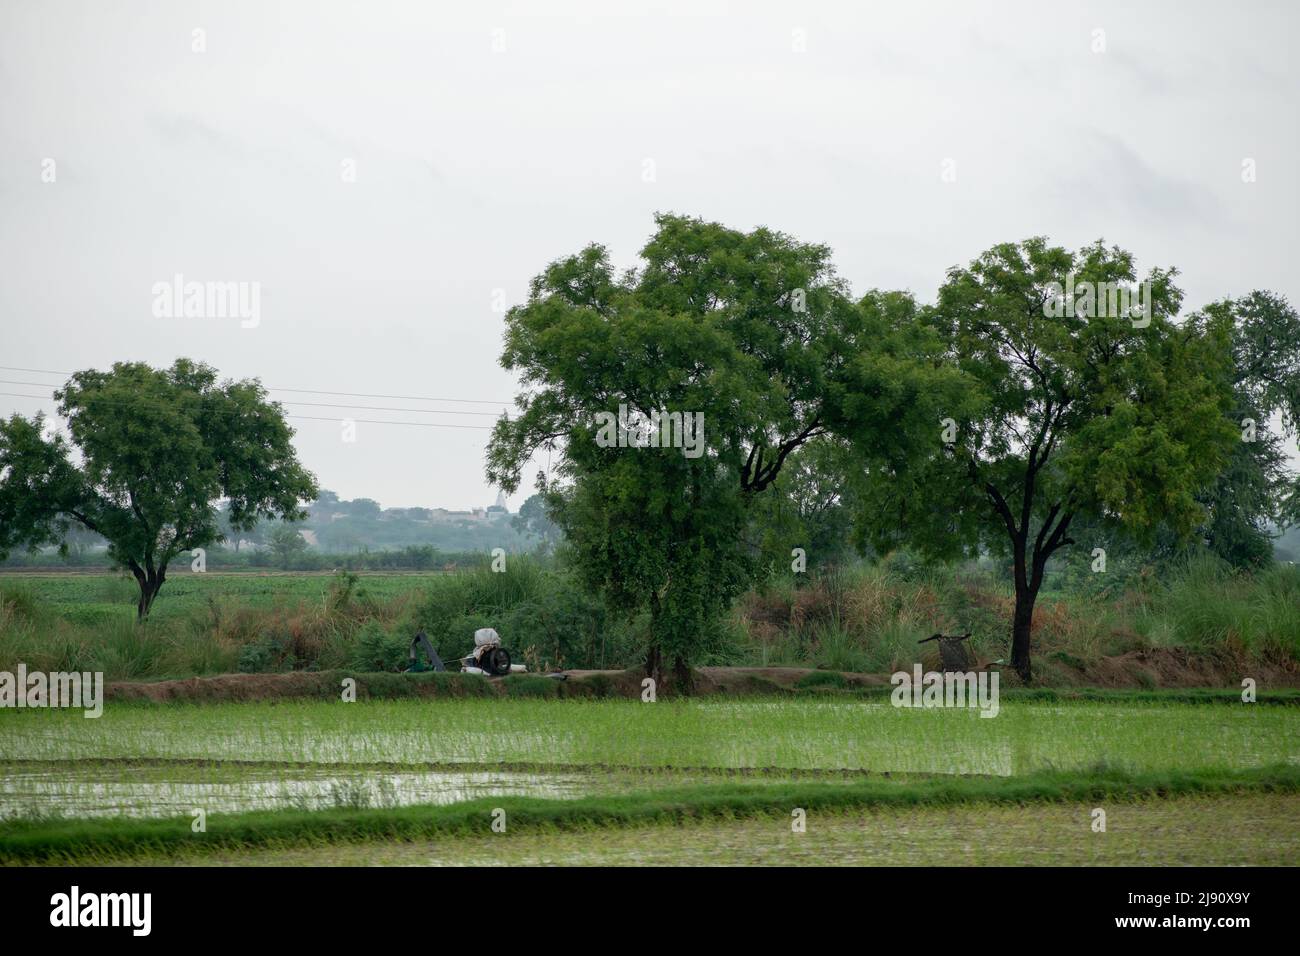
x,y
816,731
106,840
1184,831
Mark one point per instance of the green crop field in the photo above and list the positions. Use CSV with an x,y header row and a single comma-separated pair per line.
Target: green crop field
x,y
395,763
1187,775
1251,829
91,597
800,734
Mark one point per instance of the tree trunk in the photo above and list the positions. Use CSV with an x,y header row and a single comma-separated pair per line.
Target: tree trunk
x,y
683,677
147,593
1021,627
654,658
1030,560
654,664
1022,621
150,584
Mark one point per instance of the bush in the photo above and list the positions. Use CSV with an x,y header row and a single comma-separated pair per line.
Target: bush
x,y
17,603
543,616
377,649
530,685
866,617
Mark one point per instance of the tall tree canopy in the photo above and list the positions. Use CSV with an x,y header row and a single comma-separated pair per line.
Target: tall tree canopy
x,y
1031,394
1256,490
1118,415
155,450
754,333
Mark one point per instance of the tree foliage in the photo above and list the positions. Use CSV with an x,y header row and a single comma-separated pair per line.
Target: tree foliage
x,y
1116,415
752,331
151,452
285,541
1256,492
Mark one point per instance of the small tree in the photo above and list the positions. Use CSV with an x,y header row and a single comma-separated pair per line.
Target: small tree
x,y
156,449
230,534
1068,411
533,521
285,541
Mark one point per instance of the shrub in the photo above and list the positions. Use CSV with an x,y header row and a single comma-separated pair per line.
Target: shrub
x,y
377,649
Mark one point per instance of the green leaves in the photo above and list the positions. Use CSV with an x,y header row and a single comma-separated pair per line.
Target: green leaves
x,y
1081,409
1044,384
1255,491
156,449
739,328
37,485
1066,389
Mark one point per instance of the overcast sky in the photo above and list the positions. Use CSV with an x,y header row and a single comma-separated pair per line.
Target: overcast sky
x,y
487,139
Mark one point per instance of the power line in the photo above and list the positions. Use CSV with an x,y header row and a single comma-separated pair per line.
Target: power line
x,y
301,391
39,398
38,371
9,381
375,421
404,398
315,418
390,408
290,401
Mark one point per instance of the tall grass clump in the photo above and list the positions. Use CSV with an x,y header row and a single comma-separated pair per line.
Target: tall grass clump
x,y
541,612
869,617
1207,606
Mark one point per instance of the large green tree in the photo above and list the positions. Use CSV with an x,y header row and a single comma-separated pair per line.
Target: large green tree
x,y
1068,411
1256,490
151,452
751,331
1254,493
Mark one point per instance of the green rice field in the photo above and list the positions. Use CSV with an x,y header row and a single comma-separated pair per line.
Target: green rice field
x,y
1257,830
581,761
799,734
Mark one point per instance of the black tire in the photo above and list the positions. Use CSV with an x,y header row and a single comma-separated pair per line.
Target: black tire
x,y
497,662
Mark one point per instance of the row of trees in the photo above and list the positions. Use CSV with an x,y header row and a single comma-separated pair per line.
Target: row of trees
x,y
347,527
997,420
1006,417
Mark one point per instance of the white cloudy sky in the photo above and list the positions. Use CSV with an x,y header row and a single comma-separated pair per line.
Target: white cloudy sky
x,y
476,167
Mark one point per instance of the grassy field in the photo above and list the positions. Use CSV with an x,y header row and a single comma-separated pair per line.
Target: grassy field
x,y
1187,776
204,623
1254,830
797,734
50,839
1204,623
277,776
101,597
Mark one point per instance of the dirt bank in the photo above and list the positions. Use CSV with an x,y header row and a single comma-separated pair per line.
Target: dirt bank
x,y
1161,669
